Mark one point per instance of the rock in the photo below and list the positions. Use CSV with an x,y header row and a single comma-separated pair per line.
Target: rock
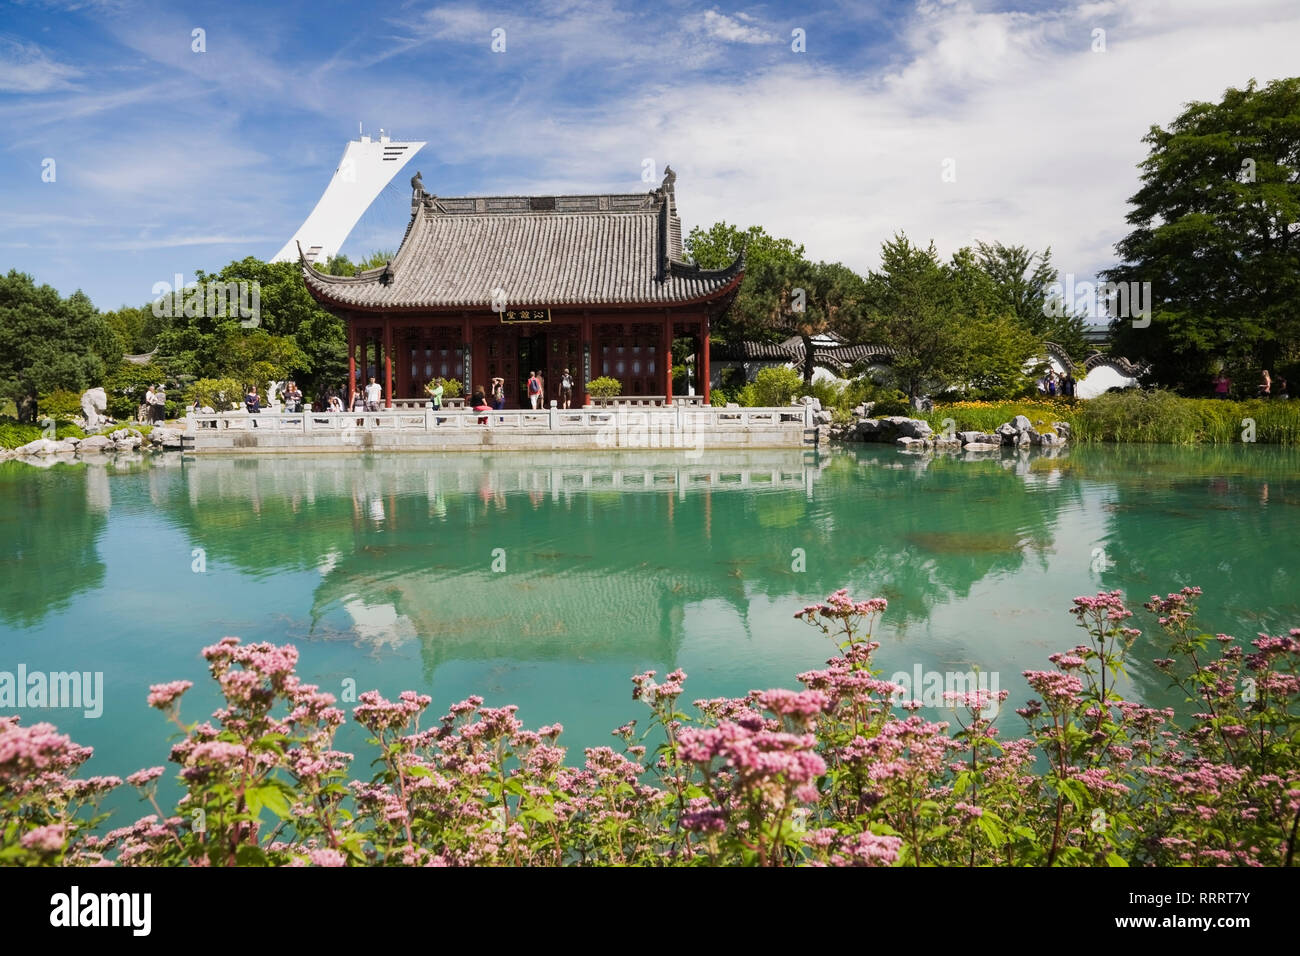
x,y
862,411
1031,435
125,433
1063,430
912,444
127,444
822,418
67,446
983,446
1007,433
1020,423
809,400
913,428
95,443
41,446
1048,440
979,438
93,403
209,410
941,443
1022,439
166,437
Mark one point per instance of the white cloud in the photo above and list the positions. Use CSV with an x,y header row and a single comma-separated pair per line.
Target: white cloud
x,y
24,68
730,29
1045,134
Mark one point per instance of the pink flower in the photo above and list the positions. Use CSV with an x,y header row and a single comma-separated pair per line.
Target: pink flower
x,y
142,777
47,839
163,696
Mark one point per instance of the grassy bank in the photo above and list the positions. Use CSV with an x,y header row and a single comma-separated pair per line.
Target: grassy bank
x,y
1143,417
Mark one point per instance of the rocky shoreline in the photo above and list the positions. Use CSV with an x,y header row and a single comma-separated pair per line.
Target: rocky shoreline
x,y
915,434
121,440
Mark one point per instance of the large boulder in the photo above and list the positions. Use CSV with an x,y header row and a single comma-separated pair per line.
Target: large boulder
x,y
912,444
123,434
809,400
166,437
1031,435
95,443
1063,430
93,403
943,443
868,429
983,438
912,427
822,417
983,446
1007,433
130,443
41,446
1020,423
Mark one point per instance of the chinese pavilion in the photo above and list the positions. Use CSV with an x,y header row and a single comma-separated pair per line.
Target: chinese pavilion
x,y
502,285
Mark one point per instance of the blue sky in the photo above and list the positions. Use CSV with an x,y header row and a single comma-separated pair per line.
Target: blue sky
x,y
168,160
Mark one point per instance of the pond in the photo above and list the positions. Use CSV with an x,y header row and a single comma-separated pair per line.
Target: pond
x,y
548,580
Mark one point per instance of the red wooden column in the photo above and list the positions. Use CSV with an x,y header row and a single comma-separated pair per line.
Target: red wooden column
x,y
388,362
703,363
668,358
352,364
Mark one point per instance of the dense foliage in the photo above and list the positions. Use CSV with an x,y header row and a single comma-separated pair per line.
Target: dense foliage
x,y
48,342
1137,416
845,771
1216,231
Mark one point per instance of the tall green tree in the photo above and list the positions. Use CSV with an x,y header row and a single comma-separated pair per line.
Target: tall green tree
x,y
995,341
763,300
915,309
48,342
1022,282
1216,231
294,335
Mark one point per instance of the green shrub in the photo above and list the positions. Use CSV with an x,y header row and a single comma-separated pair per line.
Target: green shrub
x,y
15,435
221,394
126,386
60,404
718,398
604,387
774,387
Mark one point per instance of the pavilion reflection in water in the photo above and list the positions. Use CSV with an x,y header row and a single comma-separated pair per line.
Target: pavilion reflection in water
x,y
411,540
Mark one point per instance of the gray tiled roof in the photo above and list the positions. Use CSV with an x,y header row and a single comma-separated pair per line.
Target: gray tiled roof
x,y
747,351
540,250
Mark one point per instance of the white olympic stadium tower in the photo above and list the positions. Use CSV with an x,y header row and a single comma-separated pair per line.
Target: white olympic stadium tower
x,y
366,168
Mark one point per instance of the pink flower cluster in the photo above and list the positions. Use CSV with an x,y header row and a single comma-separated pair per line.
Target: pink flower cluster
x,y
163,696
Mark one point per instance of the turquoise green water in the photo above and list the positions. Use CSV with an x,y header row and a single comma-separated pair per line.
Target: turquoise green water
x,y
546,581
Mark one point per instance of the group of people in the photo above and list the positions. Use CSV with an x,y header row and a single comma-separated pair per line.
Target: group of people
x,y
537,390
154,408
1267,387
369,399
1054,383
